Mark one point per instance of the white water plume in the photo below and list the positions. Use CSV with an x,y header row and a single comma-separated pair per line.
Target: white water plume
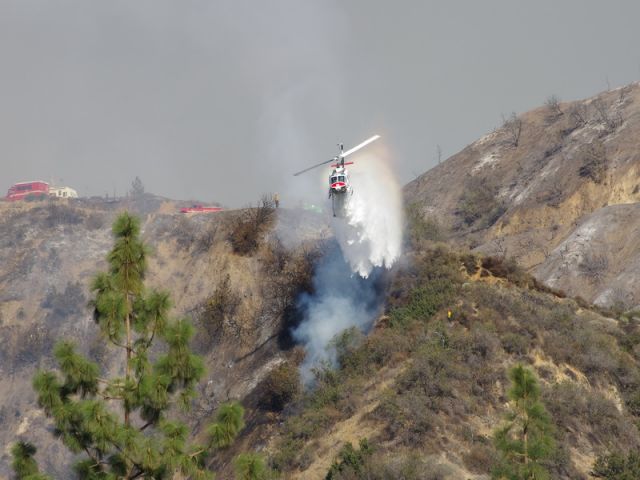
x,y
370,234
348,282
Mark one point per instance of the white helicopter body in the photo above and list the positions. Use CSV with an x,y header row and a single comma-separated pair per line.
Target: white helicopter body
x,y
340,188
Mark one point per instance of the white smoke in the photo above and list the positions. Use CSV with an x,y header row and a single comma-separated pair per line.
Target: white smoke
x,y
340,300
347,280
370,234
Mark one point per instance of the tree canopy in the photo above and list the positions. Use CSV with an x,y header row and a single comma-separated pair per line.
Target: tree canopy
x,y
122,426
526,439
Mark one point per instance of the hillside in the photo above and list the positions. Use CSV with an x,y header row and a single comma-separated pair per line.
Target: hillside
x,y
516,236
426,392
557,188
50,251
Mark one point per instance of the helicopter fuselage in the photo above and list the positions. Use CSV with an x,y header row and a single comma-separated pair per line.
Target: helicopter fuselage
x,y
339,181
339,184
339,187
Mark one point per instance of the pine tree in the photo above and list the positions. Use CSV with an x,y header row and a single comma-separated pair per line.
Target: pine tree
x,y
23,463
122,424
526,439
251,466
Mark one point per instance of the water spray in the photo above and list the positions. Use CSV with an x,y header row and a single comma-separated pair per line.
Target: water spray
x,y
347,281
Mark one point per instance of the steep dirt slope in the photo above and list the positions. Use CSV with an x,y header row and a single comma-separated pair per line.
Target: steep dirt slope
x,y
427,391
50,251
526,188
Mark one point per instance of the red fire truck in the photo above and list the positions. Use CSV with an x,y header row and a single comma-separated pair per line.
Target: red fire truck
x,y
200,209
19,191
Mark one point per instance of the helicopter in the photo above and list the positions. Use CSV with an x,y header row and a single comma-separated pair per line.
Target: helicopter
x,y
339,184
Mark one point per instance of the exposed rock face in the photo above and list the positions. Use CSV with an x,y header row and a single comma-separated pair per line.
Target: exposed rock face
x,y
539,196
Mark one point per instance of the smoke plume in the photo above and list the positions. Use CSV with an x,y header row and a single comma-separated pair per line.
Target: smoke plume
x,y
340,300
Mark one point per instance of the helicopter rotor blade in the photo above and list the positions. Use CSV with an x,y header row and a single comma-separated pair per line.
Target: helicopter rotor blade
x,y
358,147
334,159
342,154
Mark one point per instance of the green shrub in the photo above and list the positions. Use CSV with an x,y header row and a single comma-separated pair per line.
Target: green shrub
x,y
423,303
515,343
287,454
419,229
250,466
617,466
350,462
574,407
383,347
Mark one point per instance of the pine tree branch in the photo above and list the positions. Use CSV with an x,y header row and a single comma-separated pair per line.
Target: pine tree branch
x,y
128,457
106,397
92,457
117,344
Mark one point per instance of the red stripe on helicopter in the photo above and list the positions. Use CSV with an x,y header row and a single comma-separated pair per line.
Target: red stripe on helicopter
x,y
340,165
338,184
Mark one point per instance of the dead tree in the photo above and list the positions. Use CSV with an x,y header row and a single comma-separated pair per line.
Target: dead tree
x,y
513,127
610,120
553,105
594,161
578,114
594,266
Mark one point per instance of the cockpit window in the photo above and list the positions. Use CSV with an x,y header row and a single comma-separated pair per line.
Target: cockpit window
x,y
341,178
334,179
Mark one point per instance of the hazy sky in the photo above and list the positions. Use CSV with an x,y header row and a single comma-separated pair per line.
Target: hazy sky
x,y
223,100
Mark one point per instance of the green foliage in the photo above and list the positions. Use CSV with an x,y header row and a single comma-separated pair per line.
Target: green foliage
x,y
424,303
420,229
446,371
425,286
350,462
229,422
120,425
616,466
24,465
251,466
575,407
526,439
439,379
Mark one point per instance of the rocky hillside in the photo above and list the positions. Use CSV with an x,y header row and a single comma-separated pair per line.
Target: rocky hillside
x,y
420,396
234,273
557,188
